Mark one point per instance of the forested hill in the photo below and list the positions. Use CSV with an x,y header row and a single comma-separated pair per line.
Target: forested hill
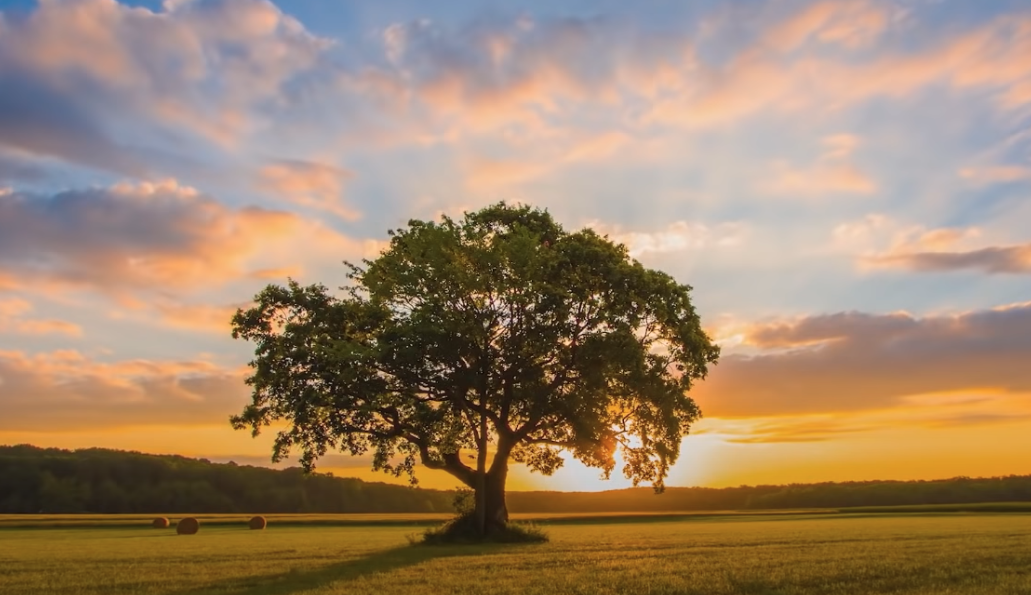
x,y
34,480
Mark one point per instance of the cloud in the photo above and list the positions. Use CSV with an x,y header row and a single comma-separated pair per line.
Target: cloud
x,y
66,390
869,235
995,174
993,260
308,184
789,69
13,321
495,74
949,411
831,174
812,428
850,23
38,118
535,159
14,169
916,248
160,238
678,236
76,71
527,74
853,361
200,317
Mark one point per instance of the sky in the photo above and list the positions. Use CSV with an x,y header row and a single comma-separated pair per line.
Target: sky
x,y
846,185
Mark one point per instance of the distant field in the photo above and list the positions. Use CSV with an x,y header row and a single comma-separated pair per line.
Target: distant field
x,y
96,521
803,554
911,508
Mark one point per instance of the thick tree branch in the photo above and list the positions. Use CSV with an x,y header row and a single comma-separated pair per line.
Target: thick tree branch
x,y
449,462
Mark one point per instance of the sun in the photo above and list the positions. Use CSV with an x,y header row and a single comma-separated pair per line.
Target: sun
x,y
694,468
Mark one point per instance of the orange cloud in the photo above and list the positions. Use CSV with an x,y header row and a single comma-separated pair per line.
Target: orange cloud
x,y
158,64
996,174
993,260
200,317
275,273
537,159
308,184
780,73
153,237
507,77
63,390
937,250
488,173
821,180
852,361
869,234
12,320
917,248
949,409
831,174
849,23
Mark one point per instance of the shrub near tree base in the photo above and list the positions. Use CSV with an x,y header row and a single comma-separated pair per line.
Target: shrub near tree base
x,y
187,526
464,529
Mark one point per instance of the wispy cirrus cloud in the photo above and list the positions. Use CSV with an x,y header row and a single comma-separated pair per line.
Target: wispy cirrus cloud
x,y
996,174
199,317
15,319
307,184
833,173
969,409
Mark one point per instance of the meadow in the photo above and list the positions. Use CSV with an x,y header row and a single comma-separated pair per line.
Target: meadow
x,y
896,552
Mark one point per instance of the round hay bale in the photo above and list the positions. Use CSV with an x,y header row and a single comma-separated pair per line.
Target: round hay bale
x,y
160,523
257,523
187,526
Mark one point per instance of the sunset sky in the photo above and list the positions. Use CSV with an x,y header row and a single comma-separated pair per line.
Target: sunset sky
x,y
847,186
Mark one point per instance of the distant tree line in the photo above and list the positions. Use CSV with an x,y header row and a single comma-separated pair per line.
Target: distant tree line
x,y
37,480
959,490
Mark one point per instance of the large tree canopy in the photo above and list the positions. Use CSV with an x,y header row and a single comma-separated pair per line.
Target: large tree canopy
x,y
500,335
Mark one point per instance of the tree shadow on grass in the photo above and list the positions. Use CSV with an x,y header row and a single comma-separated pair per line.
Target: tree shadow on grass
x,y
296,581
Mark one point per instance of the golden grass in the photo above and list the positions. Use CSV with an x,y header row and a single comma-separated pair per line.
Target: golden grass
x,y
894,554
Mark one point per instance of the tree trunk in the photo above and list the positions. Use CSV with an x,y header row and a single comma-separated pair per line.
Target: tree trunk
x,y
496,510
481,477
491,508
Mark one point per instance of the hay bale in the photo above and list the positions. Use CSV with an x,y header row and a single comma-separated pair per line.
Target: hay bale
x,y
187,526
257,523
160,523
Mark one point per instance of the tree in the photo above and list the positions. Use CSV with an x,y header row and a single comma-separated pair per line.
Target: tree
x,y
500,335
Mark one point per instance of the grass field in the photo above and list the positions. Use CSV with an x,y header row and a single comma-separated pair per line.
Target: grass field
x,y
98,521
897,553
107,521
